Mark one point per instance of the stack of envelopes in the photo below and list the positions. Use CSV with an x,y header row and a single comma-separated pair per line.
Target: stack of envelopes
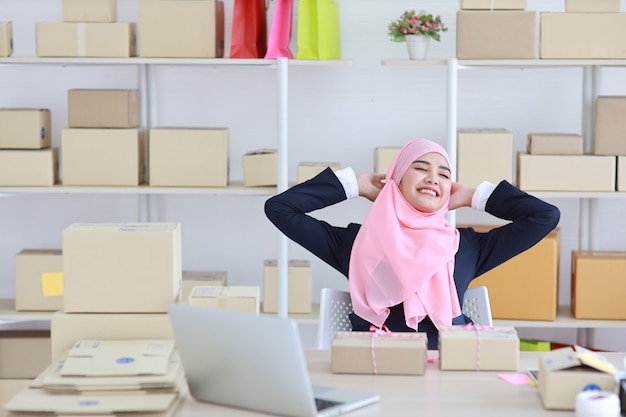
x,y
107,377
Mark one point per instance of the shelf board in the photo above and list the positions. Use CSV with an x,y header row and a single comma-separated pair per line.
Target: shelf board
x,y
235,188
577,194
29,60
508,63
564,319
413,63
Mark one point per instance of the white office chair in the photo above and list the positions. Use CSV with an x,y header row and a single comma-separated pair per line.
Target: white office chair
x,y
476,306
335,305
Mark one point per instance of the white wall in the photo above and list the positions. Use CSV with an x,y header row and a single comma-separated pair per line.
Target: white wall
x,y
336,114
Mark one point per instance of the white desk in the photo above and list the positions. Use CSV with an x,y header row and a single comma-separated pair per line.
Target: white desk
x,y
435,394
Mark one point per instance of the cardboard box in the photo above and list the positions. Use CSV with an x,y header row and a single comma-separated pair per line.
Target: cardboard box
x,y
497,34
561,37
29,168
236,298
475,146
299,286
475,348
260,168
24,354
121,267
40,402
110,157
563,373
393,353
383,155
555,144
592,6
181,28
610,126
25,129
566,172
598,284
39,280
190,157
493,4
621,173
104,40
531,275
6,39
202,278
308,169
89,10
103,108
66,329
9,388
95,357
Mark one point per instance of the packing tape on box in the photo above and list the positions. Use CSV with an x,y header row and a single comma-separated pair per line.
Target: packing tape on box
x,y
81,41
594,403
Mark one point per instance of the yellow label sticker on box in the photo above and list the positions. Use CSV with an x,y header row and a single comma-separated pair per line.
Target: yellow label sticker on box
x,y
52,284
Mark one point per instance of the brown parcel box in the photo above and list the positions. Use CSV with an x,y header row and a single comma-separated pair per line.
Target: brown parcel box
x,y
102,108
565,172
103,157
563,374
299,286
66,329
478,348
592,6
105,40
89,11
599,284
189,157
236,298
383,155
181,28
531,275
475,146
610,126
24,354
393,354
38,280
554,144
493,4
6,39
201,278
121,267
260,168
562,38
29,168
25,129
309,169
497,35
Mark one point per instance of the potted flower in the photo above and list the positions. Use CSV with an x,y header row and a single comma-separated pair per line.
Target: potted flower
x,y
416,29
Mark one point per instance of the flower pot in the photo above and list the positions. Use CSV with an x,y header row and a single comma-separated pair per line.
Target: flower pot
x,y
417,46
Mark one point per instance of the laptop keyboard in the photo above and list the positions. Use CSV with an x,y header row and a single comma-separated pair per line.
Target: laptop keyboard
x,y
324,404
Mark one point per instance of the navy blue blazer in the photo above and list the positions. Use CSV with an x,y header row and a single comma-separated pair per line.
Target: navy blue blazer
x,y
530,218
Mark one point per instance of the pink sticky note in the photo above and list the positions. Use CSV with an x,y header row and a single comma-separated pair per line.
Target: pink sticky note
x,y
515,379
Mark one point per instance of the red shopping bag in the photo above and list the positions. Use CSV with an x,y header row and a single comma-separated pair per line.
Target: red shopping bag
x,y
249,33
280,34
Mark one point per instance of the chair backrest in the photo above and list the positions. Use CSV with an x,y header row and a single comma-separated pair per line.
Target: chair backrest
x,y
476,306
335,306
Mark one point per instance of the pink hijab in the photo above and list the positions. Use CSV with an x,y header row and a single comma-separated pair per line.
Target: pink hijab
x,y
402,255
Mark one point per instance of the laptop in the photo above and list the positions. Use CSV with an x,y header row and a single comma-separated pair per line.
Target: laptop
x,y
253,362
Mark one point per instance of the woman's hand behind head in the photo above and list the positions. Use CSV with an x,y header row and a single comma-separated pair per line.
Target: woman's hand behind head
x,y
370,185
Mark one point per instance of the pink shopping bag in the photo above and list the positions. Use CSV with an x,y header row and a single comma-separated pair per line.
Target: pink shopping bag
x,y
280,33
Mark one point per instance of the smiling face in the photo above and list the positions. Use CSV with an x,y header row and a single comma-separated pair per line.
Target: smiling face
x,y
426,183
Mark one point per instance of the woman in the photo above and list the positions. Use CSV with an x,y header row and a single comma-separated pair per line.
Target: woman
x,y
407,266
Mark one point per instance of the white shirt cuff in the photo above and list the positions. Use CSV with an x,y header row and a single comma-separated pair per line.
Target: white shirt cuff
x,y
481,195
348,179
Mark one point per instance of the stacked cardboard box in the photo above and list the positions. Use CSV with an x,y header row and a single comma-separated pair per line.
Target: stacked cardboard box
x,y
27,157
89,29
477,145
109,375
103,144
309,169
260,168
6,39
39,280
299,286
